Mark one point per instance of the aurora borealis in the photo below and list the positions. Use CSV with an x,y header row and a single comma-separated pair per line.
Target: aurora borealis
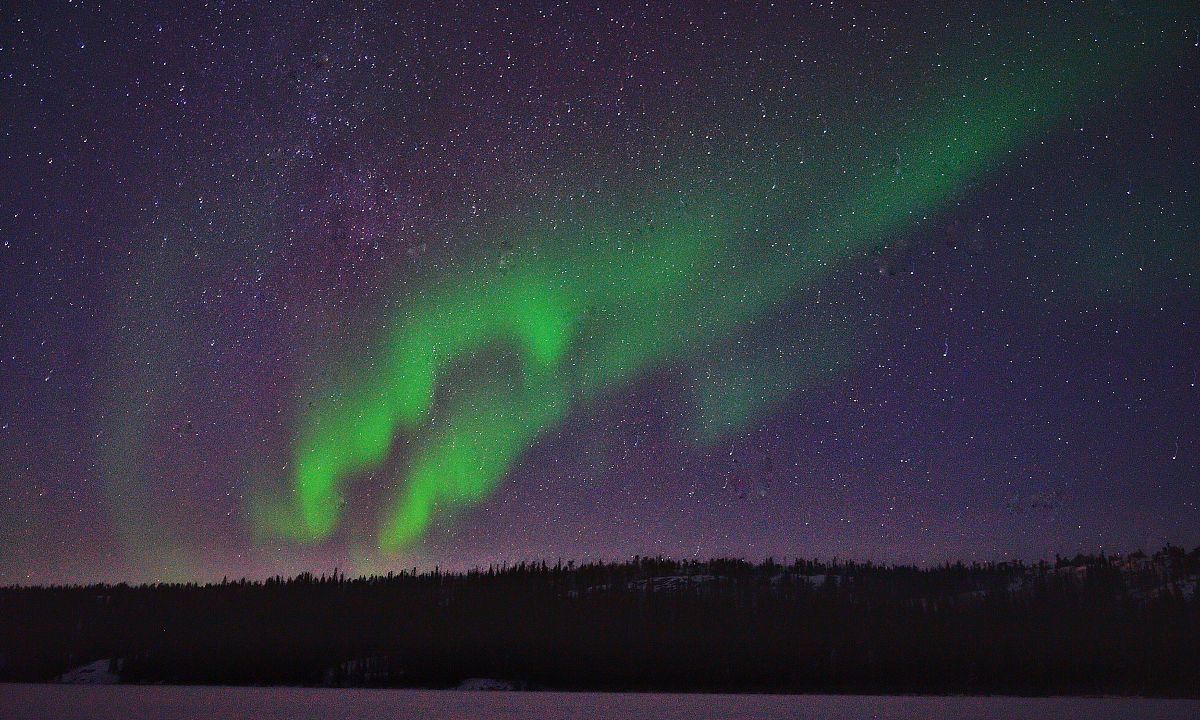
x,y
312,286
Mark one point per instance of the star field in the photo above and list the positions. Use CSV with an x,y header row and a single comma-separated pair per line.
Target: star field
x,y
304,285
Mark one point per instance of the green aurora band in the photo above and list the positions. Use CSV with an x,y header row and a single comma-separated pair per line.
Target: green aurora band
x,y
575,314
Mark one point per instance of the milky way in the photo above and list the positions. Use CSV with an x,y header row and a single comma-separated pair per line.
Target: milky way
x,y
312,287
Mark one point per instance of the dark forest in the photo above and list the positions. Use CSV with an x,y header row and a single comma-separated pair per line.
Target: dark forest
x,y
1085,625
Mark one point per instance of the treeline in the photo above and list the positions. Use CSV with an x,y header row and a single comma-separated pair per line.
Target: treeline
x,y
1084,625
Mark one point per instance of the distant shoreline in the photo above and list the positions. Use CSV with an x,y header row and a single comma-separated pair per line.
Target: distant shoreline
x,y
585,691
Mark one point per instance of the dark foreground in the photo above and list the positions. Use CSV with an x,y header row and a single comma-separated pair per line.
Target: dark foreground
x,y
34,702
1085,626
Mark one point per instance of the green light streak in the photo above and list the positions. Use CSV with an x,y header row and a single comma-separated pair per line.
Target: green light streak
x,y
596,308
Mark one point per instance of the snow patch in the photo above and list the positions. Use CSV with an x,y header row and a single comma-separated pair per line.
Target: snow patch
x,y
94,673
485,684
670,582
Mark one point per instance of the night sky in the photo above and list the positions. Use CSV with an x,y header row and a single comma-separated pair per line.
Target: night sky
x,y
307,285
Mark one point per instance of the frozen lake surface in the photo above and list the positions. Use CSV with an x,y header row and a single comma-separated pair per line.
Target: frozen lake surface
x,y
65,702
70,702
